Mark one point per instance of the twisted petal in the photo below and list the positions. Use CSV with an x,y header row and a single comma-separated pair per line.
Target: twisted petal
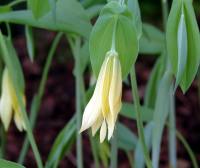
x,y
90,115
6,101
97,124
93,108
19,121
106,86
103,131
111,125
114,96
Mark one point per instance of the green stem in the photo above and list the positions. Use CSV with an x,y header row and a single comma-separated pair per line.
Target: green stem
x,y
78,102
8,30
187,147
92,140
114,150
130,159
172,131
94,151
3,141
189,150
29,131
16,3
164,12
139,121
38,97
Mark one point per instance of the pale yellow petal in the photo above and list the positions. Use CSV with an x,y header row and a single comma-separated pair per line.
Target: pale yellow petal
x,y
6,101
115,89
106,87
110,124
97,124
93,109
90,115
103,131
19,122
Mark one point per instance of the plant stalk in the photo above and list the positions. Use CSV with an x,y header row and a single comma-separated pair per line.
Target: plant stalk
x,y
38,97
139,121
172,132
114,150
78,102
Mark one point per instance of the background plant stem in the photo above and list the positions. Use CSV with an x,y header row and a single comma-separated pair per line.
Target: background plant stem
x,y
114,150
92,140
164,4
38,97
139,121
172,131
2,141
78,102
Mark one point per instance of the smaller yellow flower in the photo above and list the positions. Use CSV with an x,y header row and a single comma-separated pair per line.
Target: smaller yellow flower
x,y
9,102
105,104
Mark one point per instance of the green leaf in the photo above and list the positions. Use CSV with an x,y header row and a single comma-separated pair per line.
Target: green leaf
x,y
70,18
139,161
30,42
9,164
153,82
126,139
193,41
152,40
38,7
128,110
62,144
182,49
133,5
114,17
11,61
160,114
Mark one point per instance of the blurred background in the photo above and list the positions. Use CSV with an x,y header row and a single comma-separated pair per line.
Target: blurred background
x,y
58,104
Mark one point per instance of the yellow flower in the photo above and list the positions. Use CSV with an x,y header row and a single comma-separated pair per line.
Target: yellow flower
x,y
105,104
9,103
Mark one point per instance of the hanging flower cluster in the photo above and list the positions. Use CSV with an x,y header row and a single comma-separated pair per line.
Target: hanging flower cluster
x,y
9,103
105,104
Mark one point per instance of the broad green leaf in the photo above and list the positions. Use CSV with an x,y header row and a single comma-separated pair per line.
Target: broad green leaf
x,y
139,160
70,18
193,41
9,164
153,82
126,139
62,144
114,17
152,40
160,115
128,110
39,7
30,42
182,49
133,5
11,61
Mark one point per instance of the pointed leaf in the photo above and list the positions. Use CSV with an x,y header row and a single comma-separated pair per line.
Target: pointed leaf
x,y
9,164
160,115
114,17
70,18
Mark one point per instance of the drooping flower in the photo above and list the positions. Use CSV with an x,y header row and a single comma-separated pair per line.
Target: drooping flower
x,y
105,104
10,104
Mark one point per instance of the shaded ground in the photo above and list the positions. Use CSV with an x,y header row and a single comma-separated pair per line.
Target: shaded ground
x,y
58,105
